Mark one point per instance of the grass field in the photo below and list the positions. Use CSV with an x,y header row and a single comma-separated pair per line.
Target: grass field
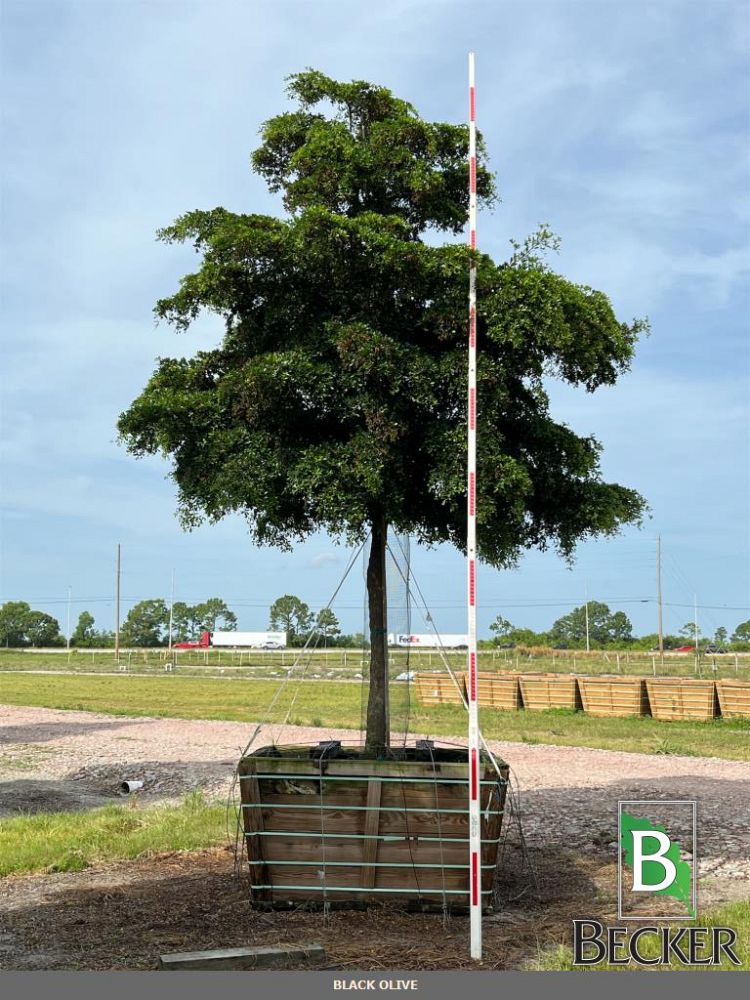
x,y
68,842
339,706
342,664
734,915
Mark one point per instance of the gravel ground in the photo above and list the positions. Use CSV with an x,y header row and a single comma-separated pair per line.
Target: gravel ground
x,y
566,798
59,758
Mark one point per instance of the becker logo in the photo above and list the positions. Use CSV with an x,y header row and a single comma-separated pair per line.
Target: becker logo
x,y
656,864
656,883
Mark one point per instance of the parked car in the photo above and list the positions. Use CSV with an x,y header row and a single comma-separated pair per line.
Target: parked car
x,y
711,648
271,645
684,649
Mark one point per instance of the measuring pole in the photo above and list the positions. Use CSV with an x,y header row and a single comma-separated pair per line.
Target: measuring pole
x,y
117,608
70,594
475,835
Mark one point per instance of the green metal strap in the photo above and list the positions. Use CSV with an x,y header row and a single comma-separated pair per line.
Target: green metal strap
x,y
364,836
367,864
342,808
315,776
438,890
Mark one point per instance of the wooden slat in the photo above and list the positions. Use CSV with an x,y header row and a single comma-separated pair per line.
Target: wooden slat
x,y
682,698
253,822
541,692
372,826
613,696
734,698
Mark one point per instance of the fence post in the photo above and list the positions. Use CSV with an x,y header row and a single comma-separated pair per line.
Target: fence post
x,y
736,663
619,668
653,665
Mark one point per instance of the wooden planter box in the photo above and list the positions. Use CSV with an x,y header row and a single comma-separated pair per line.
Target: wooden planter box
x,y
734,699
545,691
324,825
673,699
613,696
497,690
438,689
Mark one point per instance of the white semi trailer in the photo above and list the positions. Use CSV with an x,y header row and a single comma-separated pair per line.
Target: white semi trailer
x,y
448,640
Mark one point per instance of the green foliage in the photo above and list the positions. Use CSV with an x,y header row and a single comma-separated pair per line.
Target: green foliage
x,y
291,615
501,627
21,626
605,627
145,624
83,633
742,632
337,394
189,620
327,624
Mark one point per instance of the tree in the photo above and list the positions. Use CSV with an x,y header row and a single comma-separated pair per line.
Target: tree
x,y
501,627
605,628
21,626
336,399
185,622
13,619
720,636
42,630
689,630
214,612
327,624
291,615
145,624
84,630
742,632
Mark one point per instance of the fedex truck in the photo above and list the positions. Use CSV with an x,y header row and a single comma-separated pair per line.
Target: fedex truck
x,y
236,640
448,640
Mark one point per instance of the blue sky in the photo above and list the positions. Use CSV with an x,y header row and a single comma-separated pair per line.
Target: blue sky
x,y
623,126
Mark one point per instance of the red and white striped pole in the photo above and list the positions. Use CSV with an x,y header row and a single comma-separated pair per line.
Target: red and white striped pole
x,y
475,835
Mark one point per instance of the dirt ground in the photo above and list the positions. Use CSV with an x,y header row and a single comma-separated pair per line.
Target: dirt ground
x,y
124,915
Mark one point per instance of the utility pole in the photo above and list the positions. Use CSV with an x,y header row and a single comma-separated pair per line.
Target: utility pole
x,y
586,592
70,591
171,613
117,607
658,598
695,626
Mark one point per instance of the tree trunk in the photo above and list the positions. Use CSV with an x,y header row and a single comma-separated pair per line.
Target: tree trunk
x,y
378,723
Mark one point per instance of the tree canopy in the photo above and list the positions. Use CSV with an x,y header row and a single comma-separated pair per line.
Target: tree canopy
x,y
336,397
338,390
605,627
21,625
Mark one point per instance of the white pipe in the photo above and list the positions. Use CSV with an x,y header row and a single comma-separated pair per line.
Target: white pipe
x,y
130,786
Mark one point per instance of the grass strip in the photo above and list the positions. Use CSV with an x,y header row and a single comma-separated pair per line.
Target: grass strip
x,y
339,706
72,841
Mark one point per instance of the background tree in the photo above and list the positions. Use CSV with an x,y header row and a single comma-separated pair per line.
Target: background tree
x,y
13,618
291,615
185,622
605,628
213,614
689,630
83,633
343,356
43,630
327,624
21,625
145,624
501,627
720,636
742,632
